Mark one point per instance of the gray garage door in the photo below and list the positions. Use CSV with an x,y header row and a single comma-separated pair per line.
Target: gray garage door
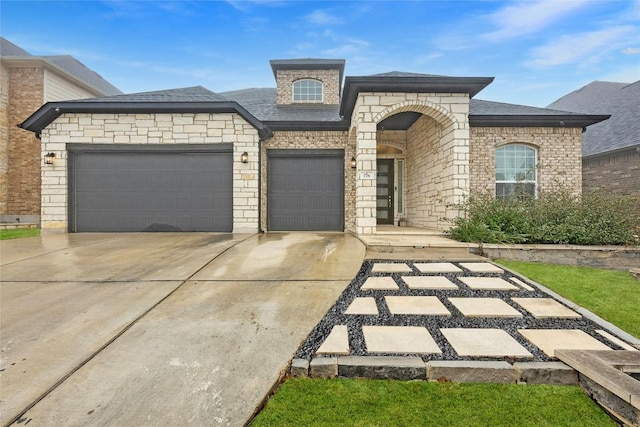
x,y
151,190
305,190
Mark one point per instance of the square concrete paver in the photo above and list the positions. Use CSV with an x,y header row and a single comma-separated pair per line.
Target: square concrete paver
x,y
484,307
550,340
363,305
429,282
416,305
437,267
488,283
521,283
484,343
380,284
337,342
399,339
542,308
481,267
390,267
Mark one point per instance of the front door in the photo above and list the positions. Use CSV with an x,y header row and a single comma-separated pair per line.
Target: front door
x,y
384,191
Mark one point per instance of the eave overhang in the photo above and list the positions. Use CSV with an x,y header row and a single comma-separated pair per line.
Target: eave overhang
x,y
540,120
428,84
50,111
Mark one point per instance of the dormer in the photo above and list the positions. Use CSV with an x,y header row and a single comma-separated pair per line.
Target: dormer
x,y
308,81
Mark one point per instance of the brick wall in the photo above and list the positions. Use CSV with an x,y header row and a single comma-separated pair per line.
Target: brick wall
x,y
329,78
151,129
558,163
24,149
4,137
617,173
314,140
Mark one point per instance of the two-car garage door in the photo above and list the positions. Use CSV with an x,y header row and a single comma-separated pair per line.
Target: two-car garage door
x,y
151,189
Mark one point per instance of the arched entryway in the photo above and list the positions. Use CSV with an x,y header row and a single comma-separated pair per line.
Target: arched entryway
x,y
419,153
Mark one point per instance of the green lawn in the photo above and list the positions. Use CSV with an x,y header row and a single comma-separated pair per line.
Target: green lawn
x,y
612,295
19,233
343,402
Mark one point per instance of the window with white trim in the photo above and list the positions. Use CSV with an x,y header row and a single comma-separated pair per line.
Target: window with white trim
x,y
307,90
515,170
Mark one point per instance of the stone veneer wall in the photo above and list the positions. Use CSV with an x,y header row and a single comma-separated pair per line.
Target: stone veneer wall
x,y
558,163
449,109
329,78
22,185
185,128
314,140
617,173
429,158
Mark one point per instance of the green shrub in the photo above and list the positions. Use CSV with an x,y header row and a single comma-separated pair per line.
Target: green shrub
x,y
554,217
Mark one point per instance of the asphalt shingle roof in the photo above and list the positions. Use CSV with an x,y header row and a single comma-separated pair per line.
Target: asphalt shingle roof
x,y
67,63
77,69
187,94
9,49
621,100
261,102
481,107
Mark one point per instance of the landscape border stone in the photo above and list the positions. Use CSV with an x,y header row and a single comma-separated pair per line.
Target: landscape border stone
x,y
382,367
471,371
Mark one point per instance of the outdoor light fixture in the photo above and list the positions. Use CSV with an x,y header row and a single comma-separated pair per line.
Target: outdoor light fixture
x,y
353,162
244,157
49,158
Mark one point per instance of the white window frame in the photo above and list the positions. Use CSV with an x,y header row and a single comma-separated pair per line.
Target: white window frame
x,y
520,174
306,97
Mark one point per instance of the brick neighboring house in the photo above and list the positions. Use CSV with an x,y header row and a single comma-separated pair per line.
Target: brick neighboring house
x,y
313,153
610,149
26,83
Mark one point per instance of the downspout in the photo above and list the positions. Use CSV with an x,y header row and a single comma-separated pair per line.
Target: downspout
x,y
260,230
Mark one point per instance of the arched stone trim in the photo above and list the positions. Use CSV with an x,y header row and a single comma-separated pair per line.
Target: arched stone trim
x,y
402,146
518,141
427,108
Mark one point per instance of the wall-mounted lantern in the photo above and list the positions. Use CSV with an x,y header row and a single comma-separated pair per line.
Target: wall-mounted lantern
x,y
49,158
353,163
244,157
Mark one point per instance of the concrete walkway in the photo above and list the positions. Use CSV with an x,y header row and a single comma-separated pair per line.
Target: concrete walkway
x,y
158,329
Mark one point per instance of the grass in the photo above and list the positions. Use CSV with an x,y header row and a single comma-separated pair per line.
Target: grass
x,y
612,295
342,402
19,233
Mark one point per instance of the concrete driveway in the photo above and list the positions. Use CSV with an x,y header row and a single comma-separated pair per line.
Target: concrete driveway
x,y
158,329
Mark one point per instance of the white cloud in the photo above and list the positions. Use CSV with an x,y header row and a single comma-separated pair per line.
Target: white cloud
x,y
632,51
529,17
322,17
586,47
424,59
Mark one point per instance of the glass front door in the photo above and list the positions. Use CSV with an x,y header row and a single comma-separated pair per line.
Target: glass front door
x,y
384,191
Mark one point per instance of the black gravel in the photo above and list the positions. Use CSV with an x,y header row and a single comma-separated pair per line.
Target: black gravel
x,y
336,316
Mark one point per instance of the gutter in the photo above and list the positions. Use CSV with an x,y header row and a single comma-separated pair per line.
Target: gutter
x,y
50,111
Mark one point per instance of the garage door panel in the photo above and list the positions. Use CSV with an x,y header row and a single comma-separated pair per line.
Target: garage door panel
x,y
152,191
305,190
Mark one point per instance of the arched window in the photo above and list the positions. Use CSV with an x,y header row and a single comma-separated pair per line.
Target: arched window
x,y
307,90
515,170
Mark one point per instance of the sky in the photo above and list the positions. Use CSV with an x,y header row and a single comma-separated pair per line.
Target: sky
x,y
537,50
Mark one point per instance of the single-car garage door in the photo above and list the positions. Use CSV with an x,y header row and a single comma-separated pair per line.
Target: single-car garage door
x,y
147,188
305,190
